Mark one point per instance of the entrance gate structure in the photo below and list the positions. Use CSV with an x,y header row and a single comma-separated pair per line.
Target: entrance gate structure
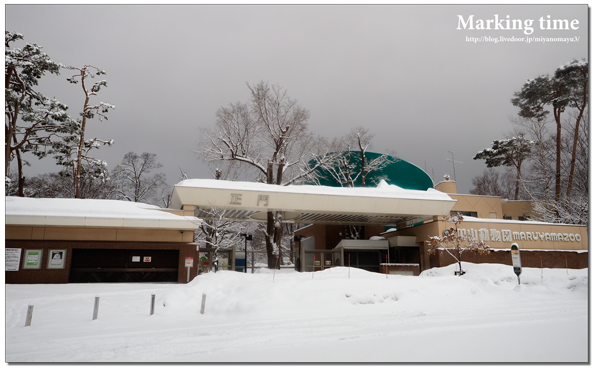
x,y
385,205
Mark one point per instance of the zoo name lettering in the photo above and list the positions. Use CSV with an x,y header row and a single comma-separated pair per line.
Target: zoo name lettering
x,y
510,236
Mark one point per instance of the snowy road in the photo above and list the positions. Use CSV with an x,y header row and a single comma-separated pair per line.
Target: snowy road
x,y
482,316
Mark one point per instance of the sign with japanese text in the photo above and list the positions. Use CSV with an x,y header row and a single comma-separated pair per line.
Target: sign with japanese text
x,y
32,259
12,259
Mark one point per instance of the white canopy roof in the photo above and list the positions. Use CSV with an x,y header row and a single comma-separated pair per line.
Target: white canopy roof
x,y
384,205
350,244
91,212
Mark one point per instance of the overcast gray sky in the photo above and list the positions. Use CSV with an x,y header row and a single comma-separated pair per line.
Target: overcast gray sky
x,y
403,71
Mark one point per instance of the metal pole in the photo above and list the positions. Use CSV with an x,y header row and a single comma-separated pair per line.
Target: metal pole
x,y
245,254
152,303
203,303
96,306
29,315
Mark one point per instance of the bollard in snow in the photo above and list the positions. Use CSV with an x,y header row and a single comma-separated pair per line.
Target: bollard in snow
x,y
203,303
542,268
96,306
348,265
29,315
152,305
275,269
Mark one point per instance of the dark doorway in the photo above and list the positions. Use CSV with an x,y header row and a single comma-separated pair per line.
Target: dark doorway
x,y
404,255
123,266
366,260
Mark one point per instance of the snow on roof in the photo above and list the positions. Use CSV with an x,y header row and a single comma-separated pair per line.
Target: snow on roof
x,y
383,189
91,212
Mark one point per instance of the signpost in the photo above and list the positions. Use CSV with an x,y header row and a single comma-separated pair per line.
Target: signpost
x,y
516,260
189,262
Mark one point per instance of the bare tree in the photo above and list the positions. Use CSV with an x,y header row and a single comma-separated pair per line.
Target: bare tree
x,y
269,134
455,243
575,74
133,181
75,148
218,233
566,88
352,166
539,175
492,182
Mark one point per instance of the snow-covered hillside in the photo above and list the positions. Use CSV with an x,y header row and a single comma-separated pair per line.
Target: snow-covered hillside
x,y
338,315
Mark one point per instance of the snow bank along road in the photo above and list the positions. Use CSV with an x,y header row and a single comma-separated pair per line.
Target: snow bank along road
x,y
338,315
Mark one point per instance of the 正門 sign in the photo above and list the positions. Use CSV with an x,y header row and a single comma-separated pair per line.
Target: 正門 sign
x,y
12,259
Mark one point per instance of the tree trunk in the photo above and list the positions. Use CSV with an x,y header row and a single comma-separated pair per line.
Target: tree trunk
x,y
518,182
575,139
270,240
8,132
21,178
558,150
77,177
363,163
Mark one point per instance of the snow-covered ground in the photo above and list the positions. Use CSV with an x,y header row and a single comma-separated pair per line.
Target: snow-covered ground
x,y
338,315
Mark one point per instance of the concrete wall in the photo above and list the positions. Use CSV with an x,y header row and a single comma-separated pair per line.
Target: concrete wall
x,y
485,206
517,208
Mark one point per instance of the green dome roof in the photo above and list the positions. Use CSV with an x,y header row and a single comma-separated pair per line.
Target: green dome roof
x,y
399,172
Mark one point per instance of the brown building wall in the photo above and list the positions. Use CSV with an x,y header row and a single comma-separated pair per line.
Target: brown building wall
x,y
59,276
27,232
435,228
535,259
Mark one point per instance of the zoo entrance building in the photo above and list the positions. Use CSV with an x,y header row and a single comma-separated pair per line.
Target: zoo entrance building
x,y
381,229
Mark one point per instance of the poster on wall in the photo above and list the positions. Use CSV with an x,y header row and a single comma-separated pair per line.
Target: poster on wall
x,y
56,258
32,259
12,258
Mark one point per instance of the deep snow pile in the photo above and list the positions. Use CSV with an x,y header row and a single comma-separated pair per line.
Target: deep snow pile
x,y
339,315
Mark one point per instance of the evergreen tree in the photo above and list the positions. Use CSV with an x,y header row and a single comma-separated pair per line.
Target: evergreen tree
x,y
32,120
507,152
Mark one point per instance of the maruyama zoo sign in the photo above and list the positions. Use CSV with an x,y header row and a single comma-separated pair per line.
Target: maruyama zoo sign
x,y
494,235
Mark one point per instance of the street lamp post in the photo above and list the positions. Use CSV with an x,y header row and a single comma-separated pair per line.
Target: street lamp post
x,y
246,238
